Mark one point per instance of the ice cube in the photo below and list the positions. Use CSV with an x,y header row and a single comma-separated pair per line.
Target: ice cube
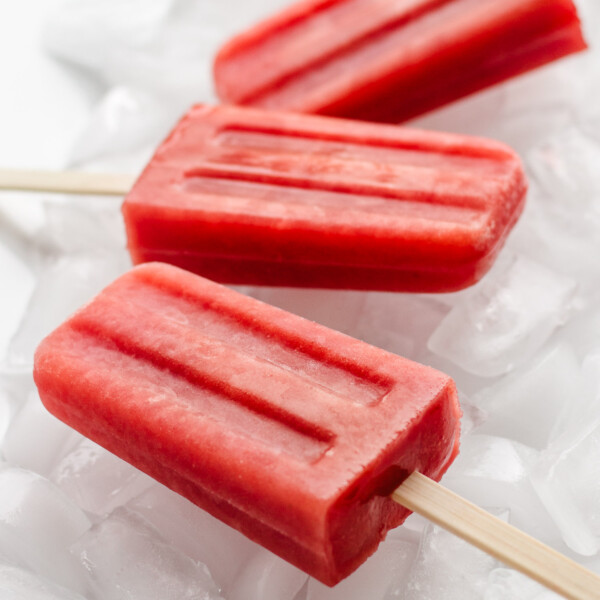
x,y
336,309
566,167
473,417
399,323
494,472
125,122
506,584
449,568
567,479
158,49
383,575
195,533
87,225
505,319
38,523
5,414
97,480
20,584
36,439
66,283
582,332
560,235
18,277
267,577
126,559
541,393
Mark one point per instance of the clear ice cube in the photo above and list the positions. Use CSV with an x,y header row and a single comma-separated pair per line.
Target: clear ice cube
x,y
384,575
36,439
506,584
567,479
266,577
195,533
97,480
21,584
541,393
38,523
126,559
449,568
493,472
505,319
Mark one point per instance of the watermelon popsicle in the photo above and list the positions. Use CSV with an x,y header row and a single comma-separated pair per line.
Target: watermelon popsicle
x,y
288,431
390,60
264,198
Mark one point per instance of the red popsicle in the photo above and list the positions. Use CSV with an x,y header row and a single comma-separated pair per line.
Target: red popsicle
x,y
390,60
254,197
288,431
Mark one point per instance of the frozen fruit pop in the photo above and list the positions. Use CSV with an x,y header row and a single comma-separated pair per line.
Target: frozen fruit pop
x,y
390,60
290,432
248,196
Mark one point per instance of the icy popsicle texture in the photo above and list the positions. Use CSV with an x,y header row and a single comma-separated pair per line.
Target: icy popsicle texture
x,y
288,431
253,197
390,60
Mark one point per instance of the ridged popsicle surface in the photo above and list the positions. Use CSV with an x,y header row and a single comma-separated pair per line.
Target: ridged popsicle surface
x,y
253,197
390,60
288,431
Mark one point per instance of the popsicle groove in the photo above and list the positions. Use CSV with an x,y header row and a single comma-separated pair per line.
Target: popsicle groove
x,y
358,23
241,411
452,190
335,202
400,145
451,49
259,338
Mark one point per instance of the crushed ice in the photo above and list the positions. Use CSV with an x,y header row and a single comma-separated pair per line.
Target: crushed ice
x,y
524,344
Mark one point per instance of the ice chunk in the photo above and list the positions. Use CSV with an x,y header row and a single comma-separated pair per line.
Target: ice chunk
x,y
80,30
494,472
65,284
449,568
97,480
126,559
37,526
566,167
505,319
195,533
543,393
567,479
5,414
267,577
384,575
582,332
160,49
36,440
506,584
19,584
399,323
87,225
18,278
126,121
336,309
561,235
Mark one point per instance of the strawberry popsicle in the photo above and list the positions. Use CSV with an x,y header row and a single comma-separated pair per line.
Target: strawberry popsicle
x,y
292,433
390,60
247,196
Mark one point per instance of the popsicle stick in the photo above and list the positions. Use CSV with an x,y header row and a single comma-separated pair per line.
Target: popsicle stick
x,y
499,539
66,182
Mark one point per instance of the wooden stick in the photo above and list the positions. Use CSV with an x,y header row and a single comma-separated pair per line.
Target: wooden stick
x,y
66,182
499,539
